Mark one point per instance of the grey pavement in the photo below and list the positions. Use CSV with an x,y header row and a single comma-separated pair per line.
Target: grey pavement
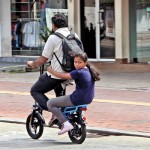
x,y
12,66
14,136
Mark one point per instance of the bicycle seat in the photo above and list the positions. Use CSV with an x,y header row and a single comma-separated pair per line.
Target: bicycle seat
x,y
72,109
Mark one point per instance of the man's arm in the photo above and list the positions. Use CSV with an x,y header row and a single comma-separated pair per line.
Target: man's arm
x,y
40,61
58,74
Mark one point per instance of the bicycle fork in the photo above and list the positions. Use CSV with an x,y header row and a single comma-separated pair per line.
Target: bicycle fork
x,y
37,112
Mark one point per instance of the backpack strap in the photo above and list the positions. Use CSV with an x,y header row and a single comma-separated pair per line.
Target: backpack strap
x,y
62,36
58,59
72,32
59,35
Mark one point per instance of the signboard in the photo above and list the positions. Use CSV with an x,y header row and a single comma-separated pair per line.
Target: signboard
x,y
110,23
51,12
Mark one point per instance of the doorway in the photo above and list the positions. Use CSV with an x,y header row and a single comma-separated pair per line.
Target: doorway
x,y
98,28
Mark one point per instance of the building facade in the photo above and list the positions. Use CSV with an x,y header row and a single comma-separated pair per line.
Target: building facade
x,y
111,30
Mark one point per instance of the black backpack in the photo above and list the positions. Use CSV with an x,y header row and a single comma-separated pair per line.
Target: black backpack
x,y
71,45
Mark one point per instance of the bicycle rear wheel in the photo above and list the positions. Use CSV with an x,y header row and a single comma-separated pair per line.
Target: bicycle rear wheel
x,y
78,134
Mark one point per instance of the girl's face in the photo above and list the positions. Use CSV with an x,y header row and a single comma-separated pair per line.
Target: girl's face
x,y
79,63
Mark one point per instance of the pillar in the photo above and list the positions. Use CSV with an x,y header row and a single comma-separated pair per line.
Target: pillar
x,y
122,31
77,16
5,29
74,16
71,14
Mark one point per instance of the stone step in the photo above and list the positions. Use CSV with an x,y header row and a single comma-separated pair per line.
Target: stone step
x,y
19,63
18,59
136,67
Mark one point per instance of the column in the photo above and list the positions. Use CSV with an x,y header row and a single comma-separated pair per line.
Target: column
x,y
71,14
74,16
122,30
77,20
5,29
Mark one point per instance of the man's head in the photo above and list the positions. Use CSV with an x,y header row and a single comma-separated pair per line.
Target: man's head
x,y
59,20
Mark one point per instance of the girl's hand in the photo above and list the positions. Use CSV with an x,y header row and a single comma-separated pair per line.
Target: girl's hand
x,y
59,74
49,69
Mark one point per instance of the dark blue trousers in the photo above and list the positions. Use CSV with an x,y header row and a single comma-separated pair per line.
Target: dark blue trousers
x,y
45,84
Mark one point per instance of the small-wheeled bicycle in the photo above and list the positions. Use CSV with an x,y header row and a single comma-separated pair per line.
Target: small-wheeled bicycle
x,y
35,122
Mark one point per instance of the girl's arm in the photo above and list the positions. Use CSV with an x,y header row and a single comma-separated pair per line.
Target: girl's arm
x,y
58,74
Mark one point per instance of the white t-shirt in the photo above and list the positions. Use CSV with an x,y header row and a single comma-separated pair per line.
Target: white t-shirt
x,y
54,44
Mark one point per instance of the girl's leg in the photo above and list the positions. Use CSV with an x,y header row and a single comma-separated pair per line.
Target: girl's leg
x,y
54,104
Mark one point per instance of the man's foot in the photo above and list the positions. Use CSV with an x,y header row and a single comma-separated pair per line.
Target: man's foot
x,y
65,128
52,121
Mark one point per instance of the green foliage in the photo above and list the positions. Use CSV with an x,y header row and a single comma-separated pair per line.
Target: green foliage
x,y
45,33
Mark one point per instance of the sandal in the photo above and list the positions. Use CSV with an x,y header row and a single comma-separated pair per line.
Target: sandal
x,y
52,121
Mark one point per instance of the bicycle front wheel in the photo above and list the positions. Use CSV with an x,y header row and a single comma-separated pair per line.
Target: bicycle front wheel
x,y
34,126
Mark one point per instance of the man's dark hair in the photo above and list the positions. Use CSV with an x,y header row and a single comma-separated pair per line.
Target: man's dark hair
x,y
60,20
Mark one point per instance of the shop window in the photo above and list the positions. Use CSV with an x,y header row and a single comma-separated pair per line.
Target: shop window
x,y
27,19
25,26
143,31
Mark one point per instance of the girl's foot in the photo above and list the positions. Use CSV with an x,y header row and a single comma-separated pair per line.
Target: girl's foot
x,y
65,128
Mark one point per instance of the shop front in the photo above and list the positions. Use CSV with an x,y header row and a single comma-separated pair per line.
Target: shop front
x,y
97,17
111,30
116,30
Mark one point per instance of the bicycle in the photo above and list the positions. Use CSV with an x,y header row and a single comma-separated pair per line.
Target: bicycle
x,y
35,122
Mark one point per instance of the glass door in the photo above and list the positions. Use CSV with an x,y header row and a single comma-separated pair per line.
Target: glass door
x,y
88,28
105,30
98,29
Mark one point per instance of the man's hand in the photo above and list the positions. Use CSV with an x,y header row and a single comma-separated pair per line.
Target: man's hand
x,y
30,64
40,61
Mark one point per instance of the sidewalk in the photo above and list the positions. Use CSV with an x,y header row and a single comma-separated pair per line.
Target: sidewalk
x,y
121,103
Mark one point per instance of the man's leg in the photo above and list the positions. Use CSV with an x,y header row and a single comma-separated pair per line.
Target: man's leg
x,y
44,84
60,90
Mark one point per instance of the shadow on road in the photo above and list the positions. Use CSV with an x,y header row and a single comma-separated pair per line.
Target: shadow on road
x,y
97,134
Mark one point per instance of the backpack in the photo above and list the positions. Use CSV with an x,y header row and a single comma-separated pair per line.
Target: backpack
x,y
71,45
